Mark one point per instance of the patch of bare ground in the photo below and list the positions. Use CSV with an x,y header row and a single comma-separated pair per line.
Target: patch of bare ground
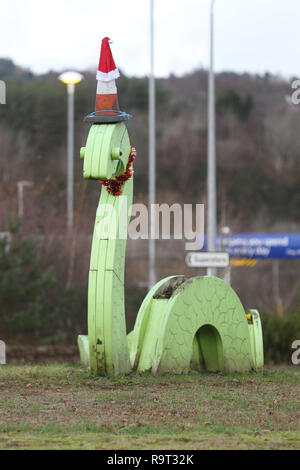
x,y
40,404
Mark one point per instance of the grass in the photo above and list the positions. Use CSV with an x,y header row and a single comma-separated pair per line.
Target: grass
x,y
64,407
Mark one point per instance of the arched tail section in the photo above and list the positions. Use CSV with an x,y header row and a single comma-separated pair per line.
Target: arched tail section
x,y
201,324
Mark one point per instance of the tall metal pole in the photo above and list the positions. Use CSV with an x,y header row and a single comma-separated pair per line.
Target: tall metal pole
x,y
21,185
276,292
152,154
70,170
70,78
225,231
211,151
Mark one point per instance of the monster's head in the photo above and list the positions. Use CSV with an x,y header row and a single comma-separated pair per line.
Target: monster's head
x,y
107,150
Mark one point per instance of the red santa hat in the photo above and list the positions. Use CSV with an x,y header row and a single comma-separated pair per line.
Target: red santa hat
x,y
107,104
107,69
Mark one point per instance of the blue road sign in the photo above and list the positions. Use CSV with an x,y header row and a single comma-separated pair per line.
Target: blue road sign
x,y
259,245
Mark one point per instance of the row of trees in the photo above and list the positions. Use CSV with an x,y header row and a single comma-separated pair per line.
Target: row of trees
x,y
257,136
258,171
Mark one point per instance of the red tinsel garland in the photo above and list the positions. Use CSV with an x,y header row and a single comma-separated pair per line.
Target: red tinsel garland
x,y
114,185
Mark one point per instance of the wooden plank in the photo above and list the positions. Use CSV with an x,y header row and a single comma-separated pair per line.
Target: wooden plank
x,y
92,319
116,347
89,149
2,353
98,150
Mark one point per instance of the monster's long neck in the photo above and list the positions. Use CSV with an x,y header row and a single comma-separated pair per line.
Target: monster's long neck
x,y
106,311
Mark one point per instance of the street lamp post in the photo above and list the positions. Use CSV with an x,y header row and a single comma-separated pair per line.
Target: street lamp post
x,y
70,79
152,155
225,236
211,151
21,185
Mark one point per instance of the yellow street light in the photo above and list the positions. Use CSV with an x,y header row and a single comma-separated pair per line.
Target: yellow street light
x,y
70,79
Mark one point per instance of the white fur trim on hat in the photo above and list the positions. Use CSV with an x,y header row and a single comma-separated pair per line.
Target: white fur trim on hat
x,y
106,77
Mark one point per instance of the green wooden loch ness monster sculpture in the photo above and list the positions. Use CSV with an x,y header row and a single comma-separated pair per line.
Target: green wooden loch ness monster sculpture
x,y
182,324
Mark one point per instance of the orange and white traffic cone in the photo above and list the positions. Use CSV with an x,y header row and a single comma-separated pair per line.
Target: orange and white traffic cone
x,y
107,97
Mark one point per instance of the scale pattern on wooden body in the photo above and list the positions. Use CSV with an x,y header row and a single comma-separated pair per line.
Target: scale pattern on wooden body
x,y
200,324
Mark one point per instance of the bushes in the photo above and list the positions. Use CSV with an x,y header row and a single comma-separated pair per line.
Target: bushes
x,y
230,99
34,305
279,334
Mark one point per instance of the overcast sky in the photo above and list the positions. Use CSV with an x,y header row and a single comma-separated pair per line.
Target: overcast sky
x,y
251,35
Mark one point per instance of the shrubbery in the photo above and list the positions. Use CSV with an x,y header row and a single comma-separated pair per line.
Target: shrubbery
x,y
279,333
35,307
